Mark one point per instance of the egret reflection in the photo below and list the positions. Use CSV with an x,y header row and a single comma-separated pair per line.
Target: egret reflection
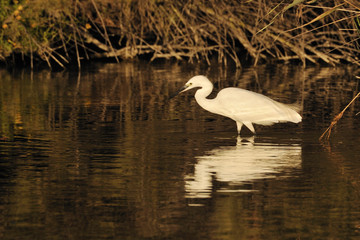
x,y
243,163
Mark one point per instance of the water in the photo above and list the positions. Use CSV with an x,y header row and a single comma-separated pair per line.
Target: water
x,y
106,155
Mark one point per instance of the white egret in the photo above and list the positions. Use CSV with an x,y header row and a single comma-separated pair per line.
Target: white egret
x,y
242,106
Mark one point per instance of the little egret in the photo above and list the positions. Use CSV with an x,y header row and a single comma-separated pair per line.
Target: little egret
x,y
242,106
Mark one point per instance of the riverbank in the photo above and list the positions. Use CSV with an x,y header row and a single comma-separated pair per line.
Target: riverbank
x,y
62,33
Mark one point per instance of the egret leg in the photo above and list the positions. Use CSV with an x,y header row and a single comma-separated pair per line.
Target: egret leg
x,y
250,126
245,141
239,126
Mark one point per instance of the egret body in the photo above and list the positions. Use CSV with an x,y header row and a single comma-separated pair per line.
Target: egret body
x,y
242,106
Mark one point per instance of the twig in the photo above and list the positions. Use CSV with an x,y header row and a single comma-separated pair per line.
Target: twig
x,y
327,132
104,28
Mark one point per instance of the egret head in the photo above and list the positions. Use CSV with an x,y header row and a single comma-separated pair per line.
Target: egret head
x,y
199,81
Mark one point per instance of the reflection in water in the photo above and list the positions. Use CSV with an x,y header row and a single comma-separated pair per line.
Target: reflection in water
x,y
104,156
245,162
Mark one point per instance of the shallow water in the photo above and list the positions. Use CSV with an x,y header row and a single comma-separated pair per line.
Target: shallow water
x,y
106,155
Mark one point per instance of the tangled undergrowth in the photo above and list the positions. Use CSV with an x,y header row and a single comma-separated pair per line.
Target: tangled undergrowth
x,y
62,32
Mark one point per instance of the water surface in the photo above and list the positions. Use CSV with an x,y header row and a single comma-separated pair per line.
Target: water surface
x,y
104,154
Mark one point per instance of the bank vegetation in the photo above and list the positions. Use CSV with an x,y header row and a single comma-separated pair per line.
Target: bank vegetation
x,y
64,32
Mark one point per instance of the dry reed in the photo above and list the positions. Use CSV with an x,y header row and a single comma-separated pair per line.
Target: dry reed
x,y
65,31
326,134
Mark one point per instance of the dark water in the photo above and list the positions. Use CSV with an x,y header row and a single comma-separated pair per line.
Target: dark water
x,y
106,155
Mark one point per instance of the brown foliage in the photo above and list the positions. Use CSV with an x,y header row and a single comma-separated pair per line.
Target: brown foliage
x,y
315,31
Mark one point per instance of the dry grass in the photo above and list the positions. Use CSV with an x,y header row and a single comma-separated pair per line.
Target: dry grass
x,y
326,134
68,31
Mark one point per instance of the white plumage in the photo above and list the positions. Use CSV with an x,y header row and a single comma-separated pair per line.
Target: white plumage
x,y
243,106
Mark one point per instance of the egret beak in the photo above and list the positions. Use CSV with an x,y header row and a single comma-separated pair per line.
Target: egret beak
x,y
182,89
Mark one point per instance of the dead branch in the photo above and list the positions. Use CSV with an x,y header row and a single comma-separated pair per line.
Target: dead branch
x,y
327,132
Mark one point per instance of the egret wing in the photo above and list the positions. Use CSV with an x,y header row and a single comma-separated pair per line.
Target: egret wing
x,y
246,106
